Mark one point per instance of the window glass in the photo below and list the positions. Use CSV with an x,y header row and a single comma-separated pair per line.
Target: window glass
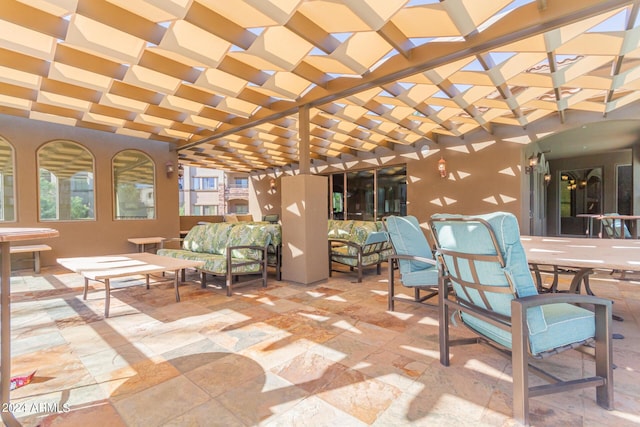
x,y
360,195
7,193
241,182
337,196
580,197
66,182
204,183
392,191
242,209
625,188
134,185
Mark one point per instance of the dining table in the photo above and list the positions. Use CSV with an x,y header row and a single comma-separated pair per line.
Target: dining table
x,y
580,257
8,235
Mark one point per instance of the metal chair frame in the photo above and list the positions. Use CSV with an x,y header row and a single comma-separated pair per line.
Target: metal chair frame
x,y
516,324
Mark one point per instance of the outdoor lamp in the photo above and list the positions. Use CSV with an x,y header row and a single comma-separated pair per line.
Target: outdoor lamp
x,y
180,171
533,163
272,184
169,167
442,167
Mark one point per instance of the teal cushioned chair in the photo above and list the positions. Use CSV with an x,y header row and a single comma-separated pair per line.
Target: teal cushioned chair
x,y
614,228
413,257
483,260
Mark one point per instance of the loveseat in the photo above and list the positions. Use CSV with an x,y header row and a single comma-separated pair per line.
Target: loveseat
x,y
231,250
357,244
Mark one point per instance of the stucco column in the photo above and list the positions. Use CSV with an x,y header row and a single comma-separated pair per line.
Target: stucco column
x,y
304,217
304,228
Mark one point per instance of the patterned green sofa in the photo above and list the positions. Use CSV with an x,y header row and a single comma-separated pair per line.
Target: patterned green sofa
x,y
357,244
230,249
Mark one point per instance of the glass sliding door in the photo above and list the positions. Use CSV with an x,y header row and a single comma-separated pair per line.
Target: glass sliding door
x,y
368,194
580,195
392,191
360,195
337,196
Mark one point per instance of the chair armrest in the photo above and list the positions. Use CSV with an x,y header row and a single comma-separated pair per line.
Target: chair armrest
x,y
262,249
414,258
546,299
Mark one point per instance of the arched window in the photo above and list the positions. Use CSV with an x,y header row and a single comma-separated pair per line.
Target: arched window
x,y
66,182
7,193
134,185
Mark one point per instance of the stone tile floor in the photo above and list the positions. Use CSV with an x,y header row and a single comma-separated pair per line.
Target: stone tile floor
x,y
327,354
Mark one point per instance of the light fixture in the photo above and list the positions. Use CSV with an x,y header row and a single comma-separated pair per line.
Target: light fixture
x,y
272,184
547,178
533,163
442,167
180,171
169,168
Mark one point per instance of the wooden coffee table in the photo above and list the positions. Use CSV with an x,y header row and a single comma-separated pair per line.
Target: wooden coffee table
x,y
107,267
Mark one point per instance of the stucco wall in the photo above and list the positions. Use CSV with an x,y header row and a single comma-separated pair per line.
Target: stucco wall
x,y
104,235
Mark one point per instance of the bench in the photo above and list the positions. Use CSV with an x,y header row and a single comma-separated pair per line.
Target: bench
x,y
35,250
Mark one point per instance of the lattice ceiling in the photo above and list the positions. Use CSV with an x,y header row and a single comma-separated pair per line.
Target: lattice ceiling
x,y
223,79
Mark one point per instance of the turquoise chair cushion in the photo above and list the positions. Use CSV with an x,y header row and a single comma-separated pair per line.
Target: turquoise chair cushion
x,y
426,277
408,239
574,323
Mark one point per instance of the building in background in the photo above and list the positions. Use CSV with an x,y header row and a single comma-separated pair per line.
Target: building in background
x,y
206,191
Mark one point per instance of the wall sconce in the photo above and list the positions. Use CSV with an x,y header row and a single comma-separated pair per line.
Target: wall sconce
x,y
442,167
547,178
169,168
180,171
534,160
272,184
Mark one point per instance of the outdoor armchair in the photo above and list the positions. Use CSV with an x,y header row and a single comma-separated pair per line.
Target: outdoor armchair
x,y
482,258
614,228
414,259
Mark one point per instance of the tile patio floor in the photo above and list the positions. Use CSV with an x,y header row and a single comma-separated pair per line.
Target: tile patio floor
x,y
327,354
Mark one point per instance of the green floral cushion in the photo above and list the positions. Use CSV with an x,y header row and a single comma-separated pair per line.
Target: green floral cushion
x,y
339,229
359,233
352,261
207,238
245,234
218,235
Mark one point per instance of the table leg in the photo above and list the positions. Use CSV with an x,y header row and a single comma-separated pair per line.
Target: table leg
x,y
5,333
86,288
176,282
107,289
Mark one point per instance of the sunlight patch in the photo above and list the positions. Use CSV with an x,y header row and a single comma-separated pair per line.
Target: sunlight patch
x,y
522,139
508,171
413,156
479,146
434,354
485,369
295,252
491,200
463,175
294,209
507,199
315,317
429,321
315,294
343,324
460,149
